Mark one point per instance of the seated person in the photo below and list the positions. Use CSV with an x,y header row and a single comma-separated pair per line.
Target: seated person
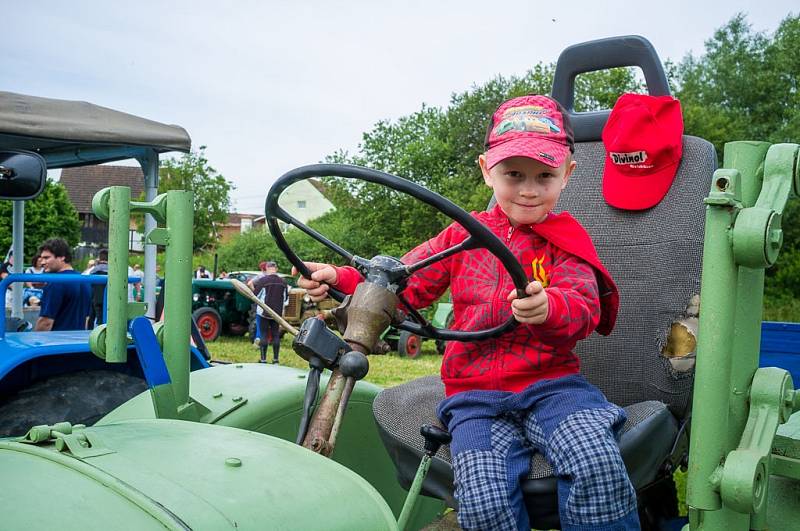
x,y
522,392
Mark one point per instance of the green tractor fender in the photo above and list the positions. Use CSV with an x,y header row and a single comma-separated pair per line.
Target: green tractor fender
x,y
157,474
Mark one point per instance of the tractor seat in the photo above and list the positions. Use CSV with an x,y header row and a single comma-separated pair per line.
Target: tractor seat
x,y
647,440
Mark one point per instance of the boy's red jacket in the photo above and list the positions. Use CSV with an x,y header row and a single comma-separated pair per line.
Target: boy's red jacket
x,y
559,253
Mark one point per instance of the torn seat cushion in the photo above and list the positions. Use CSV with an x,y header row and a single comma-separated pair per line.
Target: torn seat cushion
x,y
646,441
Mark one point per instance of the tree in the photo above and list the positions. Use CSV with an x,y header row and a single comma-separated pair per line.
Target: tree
x,y
746,86
50,215
244,251
211,193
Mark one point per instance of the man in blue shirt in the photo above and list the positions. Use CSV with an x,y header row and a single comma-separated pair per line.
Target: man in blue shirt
x,y
64,306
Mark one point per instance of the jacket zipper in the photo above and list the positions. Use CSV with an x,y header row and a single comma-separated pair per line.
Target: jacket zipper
x,y
497,368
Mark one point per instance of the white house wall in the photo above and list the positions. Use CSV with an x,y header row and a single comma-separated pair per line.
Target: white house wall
x,y
315,203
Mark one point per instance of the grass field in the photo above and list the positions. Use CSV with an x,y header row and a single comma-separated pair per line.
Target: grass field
x,y
385,370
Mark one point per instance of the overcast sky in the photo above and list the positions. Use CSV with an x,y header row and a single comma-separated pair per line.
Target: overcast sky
x,y
269,86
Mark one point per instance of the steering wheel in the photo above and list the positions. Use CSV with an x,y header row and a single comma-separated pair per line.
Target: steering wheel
x,y
390,270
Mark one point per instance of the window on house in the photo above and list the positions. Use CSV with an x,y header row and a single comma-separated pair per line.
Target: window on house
x,y
301,204
247,224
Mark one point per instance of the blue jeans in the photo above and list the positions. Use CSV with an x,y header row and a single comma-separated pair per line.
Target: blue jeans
x,y
566,419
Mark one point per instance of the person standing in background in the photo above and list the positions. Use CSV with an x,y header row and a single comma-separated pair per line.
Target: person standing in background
x,y
137,286
65,306
273,291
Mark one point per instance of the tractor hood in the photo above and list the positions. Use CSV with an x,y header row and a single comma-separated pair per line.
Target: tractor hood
x,y
156,474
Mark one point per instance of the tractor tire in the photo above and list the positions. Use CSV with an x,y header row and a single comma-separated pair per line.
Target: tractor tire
x,y
79,397
409,344
208,322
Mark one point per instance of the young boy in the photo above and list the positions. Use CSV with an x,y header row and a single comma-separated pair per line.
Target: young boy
x,y
522,392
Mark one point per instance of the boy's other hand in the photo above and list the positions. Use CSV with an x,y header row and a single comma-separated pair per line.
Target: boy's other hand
x,y
532,309
321,276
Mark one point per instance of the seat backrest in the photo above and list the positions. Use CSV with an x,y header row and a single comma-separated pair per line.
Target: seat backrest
x,y
654,256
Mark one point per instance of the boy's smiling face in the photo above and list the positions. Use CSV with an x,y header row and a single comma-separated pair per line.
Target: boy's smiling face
x,y
526,189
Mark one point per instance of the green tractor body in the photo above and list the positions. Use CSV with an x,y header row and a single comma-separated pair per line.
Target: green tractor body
x,y
237,468
267,399
156,474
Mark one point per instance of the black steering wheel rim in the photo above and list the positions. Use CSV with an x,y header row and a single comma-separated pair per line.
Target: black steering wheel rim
x,y
483,235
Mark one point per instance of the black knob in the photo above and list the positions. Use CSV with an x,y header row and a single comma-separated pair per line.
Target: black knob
x,y
434,438
354,364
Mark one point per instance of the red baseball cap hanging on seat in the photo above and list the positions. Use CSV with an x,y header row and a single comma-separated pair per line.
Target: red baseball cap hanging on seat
x,y
644,142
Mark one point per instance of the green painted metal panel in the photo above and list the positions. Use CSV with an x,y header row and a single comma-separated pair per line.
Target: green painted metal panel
x,y
268,399
37,478
215,477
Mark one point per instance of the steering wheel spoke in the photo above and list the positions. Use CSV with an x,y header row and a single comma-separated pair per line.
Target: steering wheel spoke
x,y
418,317
469,243
288,218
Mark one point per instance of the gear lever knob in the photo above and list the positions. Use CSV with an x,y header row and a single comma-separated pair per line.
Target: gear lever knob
x,y
434,438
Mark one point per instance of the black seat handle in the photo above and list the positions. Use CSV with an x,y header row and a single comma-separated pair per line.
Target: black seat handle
x,y
601,54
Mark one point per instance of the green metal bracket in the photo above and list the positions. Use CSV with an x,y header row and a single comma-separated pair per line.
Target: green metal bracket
x,y
758,235
175,210
81,444
67,439
158,236
738,407
111,342
135,309
746,470
725,189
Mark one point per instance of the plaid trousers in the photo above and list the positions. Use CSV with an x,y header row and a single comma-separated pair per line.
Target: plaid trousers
x,y
566,419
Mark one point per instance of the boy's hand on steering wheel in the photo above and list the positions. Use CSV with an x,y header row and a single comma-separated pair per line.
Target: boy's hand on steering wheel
x,y
532,309
321,276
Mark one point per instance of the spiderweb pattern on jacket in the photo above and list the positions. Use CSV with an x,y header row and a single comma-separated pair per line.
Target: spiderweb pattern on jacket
x,y
479,289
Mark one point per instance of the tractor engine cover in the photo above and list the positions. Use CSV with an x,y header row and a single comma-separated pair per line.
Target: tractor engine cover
x,y
157,474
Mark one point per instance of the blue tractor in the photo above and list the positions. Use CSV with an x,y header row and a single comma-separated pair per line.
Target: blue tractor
x,y
50,376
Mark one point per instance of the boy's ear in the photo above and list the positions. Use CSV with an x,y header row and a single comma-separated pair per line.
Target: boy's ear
x,y
570,168
486,177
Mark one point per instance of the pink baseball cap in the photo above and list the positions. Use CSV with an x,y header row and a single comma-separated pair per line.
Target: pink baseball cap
x,y
531,126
